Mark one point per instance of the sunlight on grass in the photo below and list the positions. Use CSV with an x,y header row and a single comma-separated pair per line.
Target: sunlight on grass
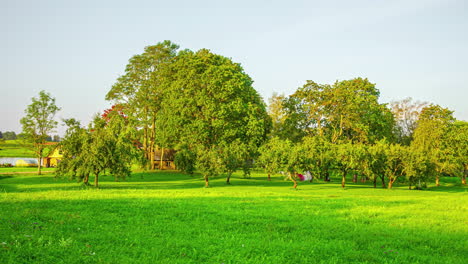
x,y
171,218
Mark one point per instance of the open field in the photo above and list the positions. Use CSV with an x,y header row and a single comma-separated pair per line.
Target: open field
x,y
167,217
14,148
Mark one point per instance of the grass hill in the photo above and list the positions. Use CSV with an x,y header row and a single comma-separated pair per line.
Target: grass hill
x,y
15,148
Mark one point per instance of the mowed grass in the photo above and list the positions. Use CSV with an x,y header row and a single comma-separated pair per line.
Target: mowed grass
x,y
15,148
167,217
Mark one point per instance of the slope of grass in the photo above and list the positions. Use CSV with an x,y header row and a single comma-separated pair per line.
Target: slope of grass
x,y
167,217
15,148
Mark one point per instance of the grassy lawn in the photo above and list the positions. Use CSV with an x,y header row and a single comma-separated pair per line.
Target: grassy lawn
x,y
14,148
167,217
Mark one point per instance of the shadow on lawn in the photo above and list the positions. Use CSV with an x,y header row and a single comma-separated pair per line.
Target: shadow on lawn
x,y
168,180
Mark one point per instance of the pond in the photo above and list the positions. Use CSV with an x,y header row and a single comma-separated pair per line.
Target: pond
x,y
19,161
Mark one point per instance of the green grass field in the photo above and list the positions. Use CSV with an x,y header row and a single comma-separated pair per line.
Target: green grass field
x,y
167,217
14,148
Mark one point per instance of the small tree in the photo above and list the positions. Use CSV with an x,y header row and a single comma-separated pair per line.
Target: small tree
x,y
346,159
270,156
456,143
38,123
72,147
394,163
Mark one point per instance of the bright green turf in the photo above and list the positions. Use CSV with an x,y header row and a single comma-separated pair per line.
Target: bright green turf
x,y
169,218
14,148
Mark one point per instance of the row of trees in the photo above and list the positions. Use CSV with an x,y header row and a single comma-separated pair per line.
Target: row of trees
x,y
11,135
342,129
203,105
199,103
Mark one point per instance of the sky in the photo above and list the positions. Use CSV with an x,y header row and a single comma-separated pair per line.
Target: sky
x,y
76,50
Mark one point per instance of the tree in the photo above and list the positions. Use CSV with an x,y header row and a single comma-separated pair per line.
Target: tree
x,y
1,135
456,143
272,155
140,91
72,147
234,156
106,146
38,123
432,126
346,110
346,159
378,159
406,115
209,102
417,167
317,156
394,163
278,115
9,135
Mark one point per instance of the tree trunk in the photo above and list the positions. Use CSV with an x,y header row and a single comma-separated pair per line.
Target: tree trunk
x,y
228,179
465,173
38,166
375,182
153,143
39,161
327,176
390,182
383,182
162,158
343,179
410,185
96,180
292,178
86,179
207,184
437,180
269,179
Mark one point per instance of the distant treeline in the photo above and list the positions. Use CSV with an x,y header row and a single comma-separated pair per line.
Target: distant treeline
x,y
11,135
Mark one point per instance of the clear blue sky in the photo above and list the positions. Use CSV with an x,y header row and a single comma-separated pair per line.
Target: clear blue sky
x,y
76,49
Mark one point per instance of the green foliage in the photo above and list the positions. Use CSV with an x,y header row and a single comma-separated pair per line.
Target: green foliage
x,y
185,160
209,102
39,123
107,145
9,135
140,91
456,147
346,110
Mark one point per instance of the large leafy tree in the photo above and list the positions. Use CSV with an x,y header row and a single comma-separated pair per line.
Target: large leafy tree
x,y
433,124
38,123
140,91
209,102
346,110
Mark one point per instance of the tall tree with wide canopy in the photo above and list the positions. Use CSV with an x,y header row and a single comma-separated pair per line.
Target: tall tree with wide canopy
x,y
346,110
38,123
141,92
209,102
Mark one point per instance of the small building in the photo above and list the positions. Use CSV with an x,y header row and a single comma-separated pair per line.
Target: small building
x,y
54,157
164,159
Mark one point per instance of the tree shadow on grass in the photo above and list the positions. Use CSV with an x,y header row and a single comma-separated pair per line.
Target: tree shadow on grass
x,y
171,180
